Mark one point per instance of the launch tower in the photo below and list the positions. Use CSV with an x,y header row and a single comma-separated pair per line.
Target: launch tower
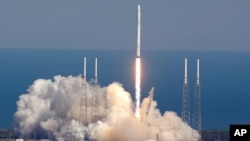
x,y
197,102
84,99
95,97
185,98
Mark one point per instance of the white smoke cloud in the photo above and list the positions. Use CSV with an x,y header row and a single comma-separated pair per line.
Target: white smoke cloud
x,y
53,106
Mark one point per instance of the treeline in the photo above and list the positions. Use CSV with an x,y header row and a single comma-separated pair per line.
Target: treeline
x,y
215,135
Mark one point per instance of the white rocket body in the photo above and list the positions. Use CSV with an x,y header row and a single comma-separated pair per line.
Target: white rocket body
x,y
138,50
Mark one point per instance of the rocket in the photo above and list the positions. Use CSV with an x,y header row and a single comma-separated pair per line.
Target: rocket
x,y
138,65
138,47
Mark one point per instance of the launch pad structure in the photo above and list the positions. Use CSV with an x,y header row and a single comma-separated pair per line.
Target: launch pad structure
x,y
196,113
89,91
150,99
185,98
197,102
83,117
95,97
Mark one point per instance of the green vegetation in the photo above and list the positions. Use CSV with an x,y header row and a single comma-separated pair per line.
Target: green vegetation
x,y
215,135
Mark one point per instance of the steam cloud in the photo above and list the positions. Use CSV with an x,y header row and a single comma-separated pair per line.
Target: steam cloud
x,y
52,107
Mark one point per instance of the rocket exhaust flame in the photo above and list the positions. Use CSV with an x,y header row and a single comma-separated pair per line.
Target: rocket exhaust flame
x,y
137,86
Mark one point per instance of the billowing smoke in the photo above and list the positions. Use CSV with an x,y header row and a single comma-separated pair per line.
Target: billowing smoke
x,y
52,107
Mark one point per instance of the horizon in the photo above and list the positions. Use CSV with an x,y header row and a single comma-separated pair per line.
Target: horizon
x,y
20,71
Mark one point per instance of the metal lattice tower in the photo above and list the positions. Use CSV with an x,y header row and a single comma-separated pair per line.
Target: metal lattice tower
x,y
150,99
95,104
95,97
185,98
197,102
84,98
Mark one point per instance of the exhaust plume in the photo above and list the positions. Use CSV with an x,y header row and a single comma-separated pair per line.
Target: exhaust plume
x,y
137,87
51,107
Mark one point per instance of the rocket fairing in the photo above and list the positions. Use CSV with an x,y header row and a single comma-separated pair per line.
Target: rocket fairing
x,y
138,48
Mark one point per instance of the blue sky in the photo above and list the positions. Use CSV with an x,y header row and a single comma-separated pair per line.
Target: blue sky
x,y
170,25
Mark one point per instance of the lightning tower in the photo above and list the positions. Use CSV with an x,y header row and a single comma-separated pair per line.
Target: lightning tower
x,y
197,101
185,98
95,97
84,99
